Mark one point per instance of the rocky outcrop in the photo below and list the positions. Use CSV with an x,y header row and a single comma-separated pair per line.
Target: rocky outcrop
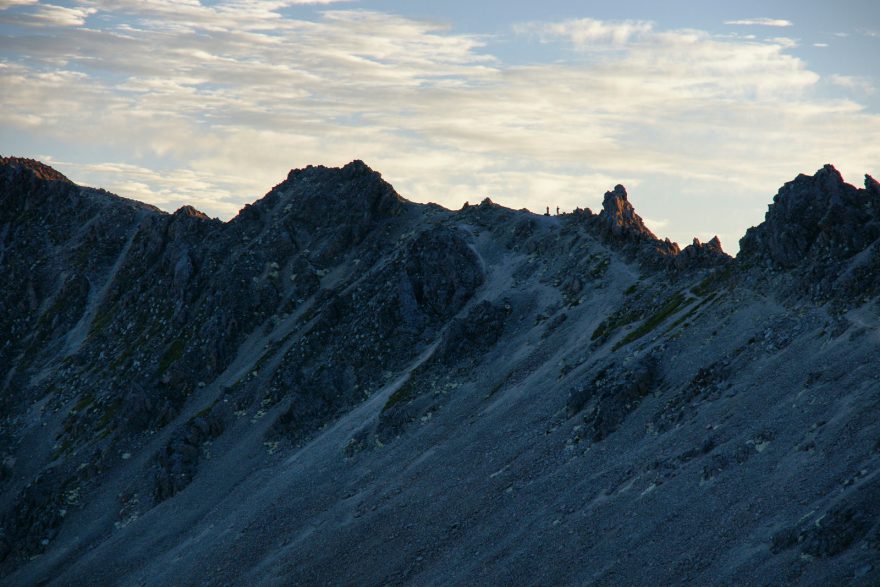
x,y
177,464
824,230
443,272
619,219
619,224
58,243
613,394
816,218
702,255
461,347
32,167
830,533
330,210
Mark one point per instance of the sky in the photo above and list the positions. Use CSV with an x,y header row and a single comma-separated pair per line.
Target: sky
x,y
701,109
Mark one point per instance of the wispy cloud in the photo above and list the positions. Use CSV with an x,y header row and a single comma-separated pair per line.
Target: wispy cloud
x,y
41,15
587,32
772,22
185,102
853,82
4,4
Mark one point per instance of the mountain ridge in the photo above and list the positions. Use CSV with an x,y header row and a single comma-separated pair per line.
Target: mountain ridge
x,y
336,364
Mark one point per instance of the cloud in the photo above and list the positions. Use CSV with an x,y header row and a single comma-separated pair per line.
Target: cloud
x,y
820,45
4,4
174,103
853,82
587,31
786,42
168,190
45,14
772,22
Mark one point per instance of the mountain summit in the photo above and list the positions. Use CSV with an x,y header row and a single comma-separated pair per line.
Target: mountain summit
x,y
620,217
36,169
339,386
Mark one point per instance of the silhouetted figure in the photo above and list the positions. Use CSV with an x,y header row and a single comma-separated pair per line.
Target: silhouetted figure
x,y
557,210
547,213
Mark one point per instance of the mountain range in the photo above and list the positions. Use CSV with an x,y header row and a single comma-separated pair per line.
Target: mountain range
x,y
339,386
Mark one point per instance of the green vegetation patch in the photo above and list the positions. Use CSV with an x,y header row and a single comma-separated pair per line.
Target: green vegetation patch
x,y
108,415
600,268
691,312
500,384
615,321
671,307
102,320
62,450
172,354
713,281
125,356
83,403
203,413
403,394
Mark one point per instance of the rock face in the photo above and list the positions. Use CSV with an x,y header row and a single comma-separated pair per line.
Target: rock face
x,y
30,169
620,218
339,386
813,218
815,226
618,223
699,254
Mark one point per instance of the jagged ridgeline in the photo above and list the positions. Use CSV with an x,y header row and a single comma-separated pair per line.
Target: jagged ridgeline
x,y
339,386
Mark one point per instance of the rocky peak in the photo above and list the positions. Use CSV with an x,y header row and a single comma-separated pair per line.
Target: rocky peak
x,y
872,185
815,217
620,218
327,210
699,254
331,196
358,168
319,173
619,223
318,197
38,169
829,178
714,244
190,212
